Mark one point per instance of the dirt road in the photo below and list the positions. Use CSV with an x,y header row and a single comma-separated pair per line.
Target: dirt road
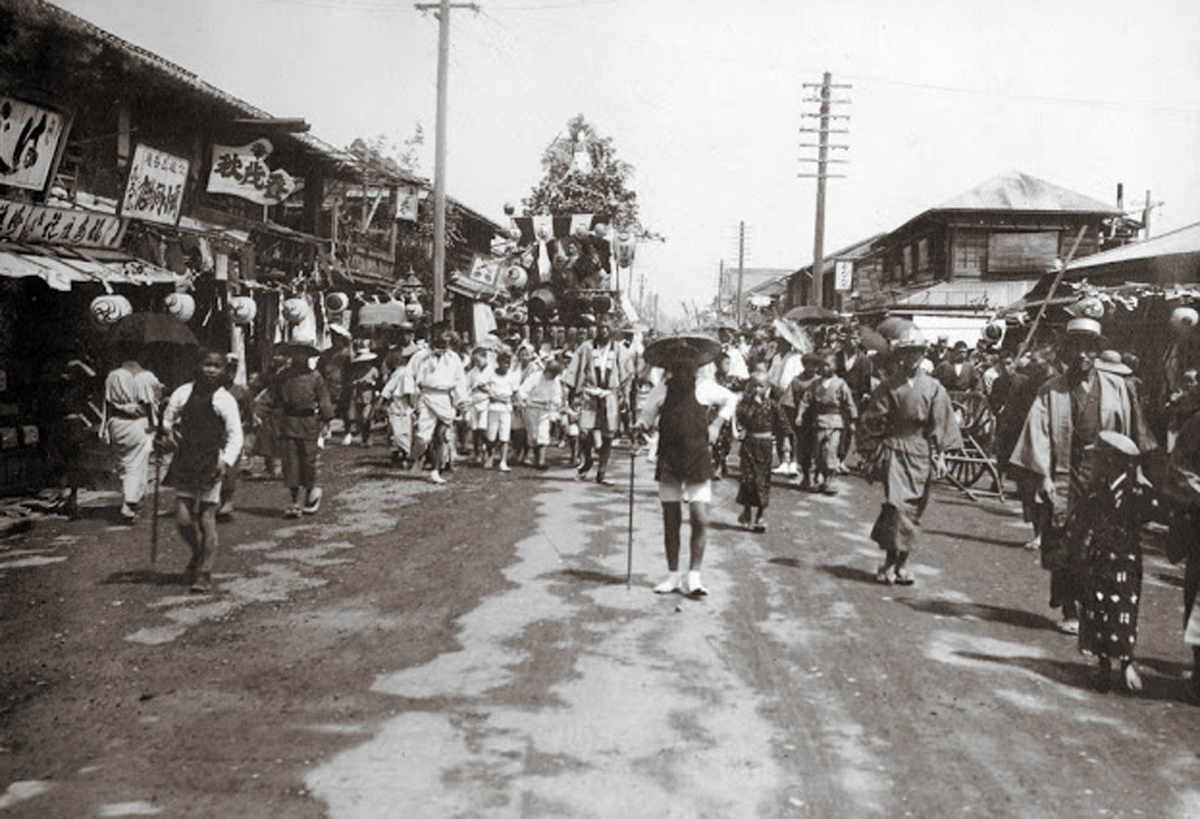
x,y
473,650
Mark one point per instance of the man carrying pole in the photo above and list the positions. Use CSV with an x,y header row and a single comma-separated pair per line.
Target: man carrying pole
x,y
684,466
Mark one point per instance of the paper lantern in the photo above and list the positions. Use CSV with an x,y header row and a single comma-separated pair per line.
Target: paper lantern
x,y
1183,318
514,233
337,302
601,230
518,314
242,310
108,310
626,249
414,310
295,310
180,305
499,313
515,277
542,302
994,332
509,208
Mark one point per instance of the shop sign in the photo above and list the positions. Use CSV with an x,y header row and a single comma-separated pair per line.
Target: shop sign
x,y
30,136
408,198
843,276
154,191
484,271
242,171
25,222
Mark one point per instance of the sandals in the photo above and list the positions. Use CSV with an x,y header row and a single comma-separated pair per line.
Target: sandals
x,y
903,578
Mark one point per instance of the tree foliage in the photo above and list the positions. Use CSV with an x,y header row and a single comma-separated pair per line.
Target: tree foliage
x,y
601,184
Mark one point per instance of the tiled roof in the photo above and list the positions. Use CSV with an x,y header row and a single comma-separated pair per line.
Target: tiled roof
x,y
1016,191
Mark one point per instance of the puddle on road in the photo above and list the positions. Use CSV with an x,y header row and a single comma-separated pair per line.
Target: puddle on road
x,y
631,709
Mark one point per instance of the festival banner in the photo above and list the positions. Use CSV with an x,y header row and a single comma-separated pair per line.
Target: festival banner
x,y
408,198
26,222
30,137
484,271
154,192
242,171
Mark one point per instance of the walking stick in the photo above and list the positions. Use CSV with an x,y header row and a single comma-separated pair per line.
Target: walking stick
x,y
157,455
632,465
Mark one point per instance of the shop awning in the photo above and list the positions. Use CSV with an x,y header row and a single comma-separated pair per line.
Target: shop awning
x,y
62,267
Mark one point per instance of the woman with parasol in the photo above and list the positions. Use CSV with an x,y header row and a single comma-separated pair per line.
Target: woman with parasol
x,y
684,465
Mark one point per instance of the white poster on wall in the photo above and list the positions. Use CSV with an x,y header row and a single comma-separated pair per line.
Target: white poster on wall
x,y
29,141
154,191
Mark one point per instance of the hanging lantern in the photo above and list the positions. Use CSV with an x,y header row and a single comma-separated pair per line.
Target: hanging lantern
x,y
1184,318
414,310
542,302
518,314
180,305
515,277
500,314
994,332
1091,307
108,310
509,208
601,230
242,310
295,310
337,302
626,249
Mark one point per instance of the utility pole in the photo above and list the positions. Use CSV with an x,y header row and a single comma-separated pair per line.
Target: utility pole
x,y
442,8
825,101
741,271
720,284
1146,217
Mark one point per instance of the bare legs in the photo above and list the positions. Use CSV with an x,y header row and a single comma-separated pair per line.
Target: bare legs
x,y
672,526
197,522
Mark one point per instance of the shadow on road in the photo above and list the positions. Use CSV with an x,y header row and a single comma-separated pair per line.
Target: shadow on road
x,y
992,508
982,611
991,541
842,572
1082,675
143,577
592,576
260,511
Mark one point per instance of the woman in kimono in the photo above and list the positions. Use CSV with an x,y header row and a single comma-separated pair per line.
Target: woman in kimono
x,y
910,423
131,397
759,414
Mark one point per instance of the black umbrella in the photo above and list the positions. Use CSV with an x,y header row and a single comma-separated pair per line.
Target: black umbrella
x,y
812,314
693,348
144,329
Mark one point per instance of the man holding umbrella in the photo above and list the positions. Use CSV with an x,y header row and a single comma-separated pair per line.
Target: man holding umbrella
x,y
684,468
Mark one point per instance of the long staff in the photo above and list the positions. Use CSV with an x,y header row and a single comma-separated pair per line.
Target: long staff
x,y
158,459
632,465
1058,277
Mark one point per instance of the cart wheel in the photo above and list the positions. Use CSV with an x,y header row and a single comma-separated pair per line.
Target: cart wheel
x,y
964,471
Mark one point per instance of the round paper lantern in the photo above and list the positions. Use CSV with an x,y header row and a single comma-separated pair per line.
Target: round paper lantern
x,y
499,313
414,310
295,310
514,233
518,314
1183,318
515,277
337,302
1090,307
509,208
242,310
994,332
542,302
626,248
108,310
180,305
601,230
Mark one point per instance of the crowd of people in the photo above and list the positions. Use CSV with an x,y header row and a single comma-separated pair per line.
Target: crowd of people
x,y
1070,431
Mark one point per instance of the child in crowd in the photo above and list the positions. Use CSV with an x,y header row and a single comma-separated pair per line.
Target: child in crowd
x,y
758,414
305,410
203,423
501,390
832,407
542,396
803,421
397,397
476,410
362,380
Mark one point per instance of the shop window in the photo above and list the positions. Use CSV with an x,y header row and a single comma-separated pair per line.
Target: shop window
x,y
970,253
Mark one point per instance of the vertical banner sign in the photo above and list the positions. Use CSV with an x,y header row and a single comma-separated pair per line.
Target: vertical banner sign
x,y
30,138
242,171
154,191
407,202
843,276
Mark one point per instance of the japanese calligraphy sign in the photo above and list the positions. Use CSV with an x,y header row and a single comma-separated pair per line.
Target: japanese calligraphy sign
x,y
29,140
484,271
843,275
154,191
407,202
242,171
25,222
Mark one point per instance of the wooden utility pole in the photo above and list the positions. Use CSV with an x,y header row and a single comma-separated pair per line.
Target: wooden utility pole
x,y
720,284
741,271
825,101
442,8
1146,217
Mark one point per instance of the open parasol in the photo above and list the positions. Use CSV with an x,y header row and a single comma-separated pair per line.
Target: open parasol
x,y
891,328
812,314
692,348
871,340
144,329
794,334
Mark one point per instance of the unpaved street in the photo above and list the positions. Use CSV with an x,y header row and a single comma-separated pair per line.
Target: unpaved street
x,y
473,650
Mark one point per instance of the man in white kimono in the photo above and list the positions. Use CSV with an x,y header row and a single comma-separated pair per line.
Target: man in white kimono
x,y
597,374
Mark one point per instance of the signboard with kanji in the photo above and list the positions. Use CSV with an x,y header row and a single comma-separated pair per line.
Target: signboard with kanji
x,y
154,192
843,276
30,137
26,222
242,171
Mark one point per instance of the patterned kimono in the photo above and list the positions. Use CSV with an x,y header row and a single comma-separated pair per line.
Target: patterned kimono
x,y
758,414
911,420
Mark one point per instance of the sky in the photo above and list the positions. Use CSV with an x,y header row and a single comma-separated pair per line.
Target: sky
x,y
705,100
